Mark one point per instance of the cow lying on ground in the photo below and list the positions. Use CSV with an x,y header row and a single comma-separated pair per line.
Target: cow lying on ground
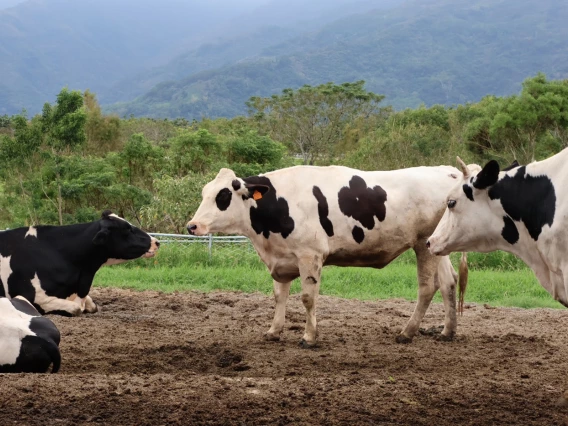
x,y
523,210
29,343
53,266
302,218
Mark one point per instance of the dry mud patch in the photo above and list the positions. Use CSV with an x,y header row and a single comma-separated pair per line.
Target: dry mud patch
x,y
150,358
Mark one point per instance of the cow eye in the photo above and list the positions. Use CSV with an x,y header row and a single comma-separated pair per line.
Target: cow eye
x,y
451,204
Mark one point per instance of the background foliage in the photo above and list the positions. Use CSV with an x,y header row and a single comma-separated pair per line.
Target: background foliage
x,y
70,162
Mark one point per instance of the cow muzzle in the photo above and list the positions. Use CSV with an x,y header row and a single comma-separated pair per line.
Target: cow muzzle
x,y
196,229
434,248
154,246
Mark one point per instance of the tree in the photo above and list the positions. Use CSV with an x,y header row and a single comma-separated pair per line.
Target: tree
x,y
103,132
312,120
251,154
525,126
193,152
139,159
63,127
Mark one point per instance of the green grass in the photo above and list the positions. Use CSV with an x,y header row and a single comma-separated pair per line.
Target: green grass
x,y
182,268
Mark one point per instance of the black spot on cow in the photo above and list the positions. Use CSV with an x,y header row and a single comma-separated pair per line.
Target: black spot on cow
x,y
223,199
362,203
323,211
510,231
358,234
468,191
236,184
531,199
271,213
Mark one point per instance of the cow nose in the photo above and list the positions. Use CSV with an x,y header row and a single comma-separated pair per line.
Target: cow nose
x,y
191,229
428,243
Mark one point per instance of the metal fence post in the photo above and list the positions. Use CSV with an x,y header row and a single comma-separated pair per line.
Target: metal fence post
x,y
210,245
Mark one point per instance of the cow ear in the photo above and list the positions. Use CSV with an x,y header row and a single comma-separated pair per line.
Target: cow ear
x,y
514,164
101,237
487,176
256,190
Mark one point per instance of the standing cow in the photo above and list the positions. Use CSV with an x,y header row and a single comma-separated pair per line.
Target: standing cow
x,y
29,343
302,218
522,210
53,266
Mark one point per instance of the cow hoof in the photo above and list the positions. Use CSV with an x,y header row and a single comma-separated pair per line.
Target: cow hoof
x,y
401,338
91,309
444,338
271,337
306,345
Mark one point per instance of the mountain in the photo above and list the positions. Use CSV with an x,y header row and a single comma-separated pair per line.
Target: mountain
x,y
428,51
48,44
244,38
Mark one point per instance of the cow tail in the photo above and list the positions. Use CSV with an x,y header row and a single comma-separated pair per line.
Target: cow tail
x,y
53,351
462,281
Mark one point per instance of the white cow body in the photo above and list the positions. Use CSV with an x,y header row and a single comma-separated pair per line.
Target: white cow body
x,y
523,211
360,219
28,341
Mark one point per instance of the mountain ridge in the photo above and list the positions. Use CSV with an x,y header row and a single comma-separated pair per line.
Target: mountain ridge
x,y
435,51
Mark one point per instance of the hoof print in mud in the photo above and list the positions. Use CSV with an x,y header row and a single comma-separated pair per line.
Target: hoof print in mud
x,y
228,358
403,339
305,345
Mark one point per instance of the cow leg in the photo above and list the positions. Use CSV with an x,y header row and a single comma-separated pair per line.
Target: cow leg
x,y
447,279
427,265
310,274
51,304
55,305
281,292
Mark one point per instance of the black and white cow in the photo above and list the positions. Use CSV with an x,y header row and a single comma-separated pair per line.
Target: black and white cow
x,y
29,343
53,266
522,210
302,218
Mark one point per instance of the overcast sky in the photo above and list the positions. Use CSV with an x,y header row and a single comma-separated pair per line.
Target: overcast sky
x,y
4,4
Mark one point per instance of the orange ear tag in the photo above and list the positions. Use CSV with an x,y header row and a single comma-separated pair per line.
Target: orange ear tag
x,y
256,195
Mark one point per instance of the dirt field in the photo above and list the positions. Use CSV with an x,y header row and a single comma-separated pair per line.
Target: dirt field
x,y
192,358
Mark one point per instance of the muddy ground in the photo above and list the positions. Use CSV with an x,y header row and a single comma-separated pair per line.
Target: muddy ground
x,y
191,358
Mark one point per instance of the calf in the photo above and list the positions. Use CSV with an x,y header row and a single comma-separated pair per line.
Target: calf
x,y
302,218
53,266
29,343
522,210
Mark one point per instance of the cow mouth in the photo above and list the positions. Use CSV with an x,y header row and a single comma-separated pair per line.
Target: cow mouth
x,y
148,254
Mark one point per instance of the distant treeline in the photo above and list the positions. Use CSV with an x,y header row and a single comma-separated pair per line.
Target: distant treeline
x,y
70,162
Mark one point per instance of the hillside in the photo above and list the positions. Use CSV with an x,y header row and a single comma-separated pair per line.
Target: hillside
x,y
429,51
48,44
244,38
122,49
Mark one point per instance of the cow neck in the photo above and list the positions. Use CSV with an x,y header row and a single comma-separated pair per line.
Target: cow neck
x,y
75,243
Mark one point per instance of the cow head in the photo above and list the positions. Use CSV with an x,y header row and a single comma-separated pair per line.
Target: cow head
x,y
225,205
122,241
472,220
